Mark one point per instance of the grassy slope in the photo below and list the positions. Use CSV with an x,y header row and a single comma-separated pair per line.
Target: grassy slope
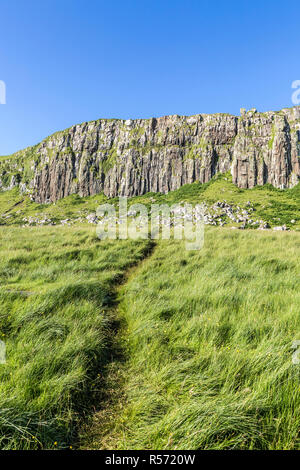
x,y
17,206
56,288
208,343
270,203
275,206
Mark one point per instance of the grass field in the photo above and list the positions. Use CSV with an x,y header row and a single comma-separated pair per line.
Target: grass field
x,y
208,345
192,352
56,318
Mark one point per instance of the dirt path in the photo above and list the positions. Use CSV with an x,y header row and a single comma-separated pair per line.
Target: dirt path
x,y
98,432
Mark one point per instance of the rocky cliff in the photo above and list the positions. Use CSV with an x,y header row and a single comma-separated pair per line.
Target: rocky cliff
x,y
136,156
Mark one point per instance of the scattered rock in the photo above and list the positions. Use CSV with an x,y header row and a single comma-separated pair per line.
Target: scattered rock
x,y
281,228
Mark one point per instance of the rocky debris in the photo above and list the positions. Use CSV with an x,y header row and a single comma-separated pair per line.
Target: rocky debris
x,y
264,225
92,219
215,215
281,228
133,157
23,188
36,221
221,213
13,182
66,222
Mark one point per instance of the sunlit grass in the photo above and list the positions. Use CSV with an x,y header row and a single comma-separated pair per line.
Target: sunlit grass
x,y
208,341
56,295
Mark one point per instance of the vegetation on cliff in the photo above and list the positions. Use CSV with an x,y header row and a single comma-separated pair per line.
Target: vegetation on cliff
x,y
135,157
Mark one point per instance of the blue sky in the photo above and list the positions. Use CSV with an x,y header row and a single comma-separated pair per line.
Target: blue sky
x,y
69,61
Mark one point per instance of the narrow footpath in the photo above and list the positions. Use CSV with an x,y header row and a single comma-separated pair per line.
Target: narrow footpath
x,y
98,432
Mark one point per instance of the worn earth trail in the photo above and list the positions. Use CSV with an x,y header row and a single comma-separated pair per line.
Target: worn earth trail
x,y
98,431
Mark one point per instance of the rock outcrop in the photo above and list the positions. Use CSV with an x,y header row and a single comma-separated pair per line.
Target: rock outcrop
x,y
159,155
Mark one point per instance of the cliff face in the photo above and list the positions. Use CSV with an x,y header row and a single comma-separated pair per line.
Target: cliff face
x,y
136,156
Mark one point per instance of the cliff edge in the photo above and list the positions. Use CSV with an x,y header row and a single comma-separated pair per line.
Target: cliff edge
x,y
132,157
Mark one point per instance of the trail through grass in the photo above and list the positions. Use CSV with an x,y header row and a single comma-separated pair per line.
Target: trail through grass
x,y
197,354
56,318
207,337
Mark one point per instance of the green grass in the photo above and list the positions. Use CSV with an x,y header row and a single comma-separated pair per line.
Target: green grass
x,y
19,206
206,336
208,346
275,206
56,318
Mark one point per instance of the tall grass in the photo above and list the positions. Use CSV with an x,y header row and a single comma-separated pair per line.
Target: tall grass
x,y
208,341
56,296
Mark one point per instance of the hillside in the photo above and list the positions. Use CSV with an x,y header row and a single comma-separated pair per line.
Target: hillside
x,y
142,344
226,205
134,157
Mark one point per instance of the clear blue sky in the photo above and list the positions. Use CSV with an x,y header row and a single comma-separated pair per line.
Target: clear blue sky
x,y
69,61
